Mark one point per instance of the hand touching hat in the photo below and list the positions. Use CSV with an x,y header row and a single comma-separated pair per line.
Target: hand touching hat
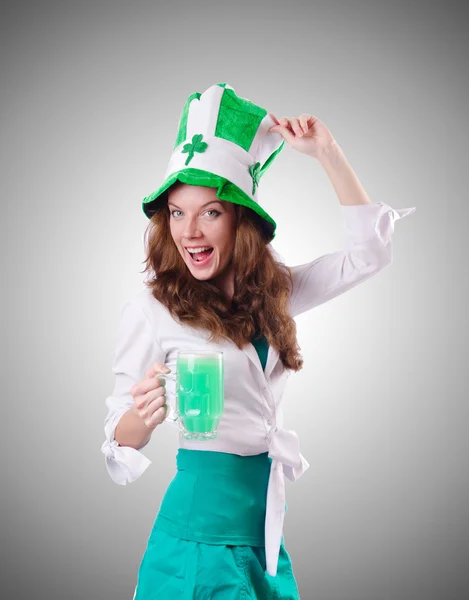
x,y
307,134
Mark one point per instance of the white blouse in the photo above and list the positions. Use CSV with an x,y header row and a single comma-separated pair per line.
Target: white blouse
x,y
252,421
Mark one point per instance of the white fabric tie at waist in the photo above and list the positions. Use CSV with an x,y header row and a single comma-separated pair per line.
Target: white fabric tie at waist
x,y
287,461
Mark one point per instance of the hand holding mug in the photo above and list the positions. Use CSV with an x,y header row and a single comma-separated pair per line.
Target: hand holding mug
x,y
149,396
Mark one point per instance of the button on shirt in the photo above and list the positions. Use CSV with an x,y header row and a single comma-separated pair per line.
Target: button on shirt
x,y
252,422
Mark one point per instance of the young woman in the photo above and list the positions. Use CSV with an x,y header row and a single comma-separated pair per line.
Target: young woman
x,y
218,532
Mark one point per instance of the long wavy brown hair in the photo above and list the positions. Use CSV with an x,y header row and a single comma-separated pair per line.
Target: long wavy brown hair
x,y
262,287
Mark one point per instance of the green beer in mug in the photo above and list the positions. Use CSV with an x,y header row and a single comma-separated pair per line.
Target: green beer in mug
x,y
199,393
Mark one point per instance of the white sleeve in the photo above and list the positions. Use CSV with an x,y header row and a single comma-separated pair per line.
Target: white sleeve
x,y
136,350
368,249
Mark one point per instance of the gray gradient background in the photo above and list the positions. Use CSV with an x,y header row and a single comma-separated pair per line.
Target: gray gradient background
x,y
91,94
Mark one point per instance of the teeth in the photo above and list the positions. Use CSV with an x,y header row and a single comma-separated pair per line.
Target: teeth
x,y
195,250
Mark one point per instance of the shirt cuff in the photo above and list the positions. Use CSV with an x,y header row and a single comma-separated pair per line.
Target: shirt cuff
x,y
124,464
366,221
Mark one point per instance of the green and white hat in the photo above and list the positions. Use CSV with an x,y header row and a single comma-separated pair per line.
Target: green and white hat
x,y
224,142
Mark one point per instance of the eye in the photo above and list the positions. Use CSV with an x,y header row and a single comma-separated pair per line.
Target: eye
x,y
212,211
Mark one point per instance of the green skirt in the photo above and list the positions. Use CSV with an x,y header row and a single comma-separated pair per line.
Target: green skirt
x,y
207,541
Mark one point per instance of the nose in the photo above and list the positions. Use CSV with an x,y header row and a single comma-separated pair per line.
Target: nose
x,y
191,228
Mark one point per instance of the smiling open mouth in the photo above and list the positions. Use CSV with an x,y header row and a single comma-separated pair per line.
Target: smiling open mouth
x,y
201,259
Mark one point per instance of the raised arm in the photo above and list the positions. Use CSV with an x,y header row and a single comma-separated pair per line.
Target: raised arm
x,y
368,248
369,226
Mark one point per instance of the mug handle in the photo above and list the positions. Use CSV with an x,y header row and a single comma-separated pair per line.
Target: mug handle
x,y
172,414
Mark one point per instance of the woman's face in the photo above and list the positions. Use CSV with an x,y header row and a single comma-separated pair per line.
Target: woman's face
x,y
199,219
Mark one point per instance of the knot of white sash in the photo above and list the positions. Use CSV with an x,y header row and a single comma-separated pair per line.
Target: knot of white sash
x,y
287,461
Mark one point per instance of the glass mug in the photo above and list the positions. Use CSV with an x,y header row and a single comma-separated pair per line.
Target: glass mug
x,y
200,390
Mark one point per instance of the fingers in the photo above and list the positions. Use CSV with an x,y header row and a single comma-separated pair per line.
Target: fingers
x,y
152,407
143,401
142,387
157,417
299,125
292,124
157,367
305,122
274,118
151,380
156,412
291,128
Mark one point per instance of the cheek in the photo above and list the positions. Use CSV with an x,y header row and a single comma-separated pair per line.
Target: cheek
x,y
175,233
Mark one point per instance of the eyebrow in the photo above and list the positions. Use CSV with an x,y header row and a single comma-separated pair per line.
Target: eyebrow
x,y
206,204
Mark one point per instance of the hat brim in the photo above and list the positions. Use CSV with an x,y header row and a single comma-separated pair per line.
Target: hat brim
x,y
226,190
